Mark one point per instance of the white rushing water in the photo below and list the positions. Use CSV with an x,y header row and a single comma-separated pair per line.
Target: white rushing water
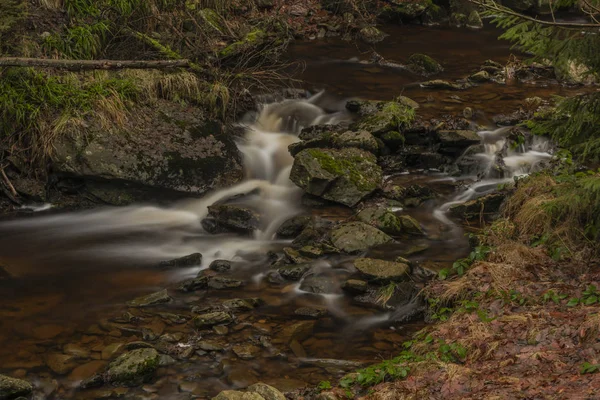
x,y
266,189
498,165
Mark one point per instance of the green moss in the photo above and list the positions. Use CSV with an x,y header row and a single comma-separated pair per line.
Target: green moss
x,y
425,64
348,167
252,39
11,13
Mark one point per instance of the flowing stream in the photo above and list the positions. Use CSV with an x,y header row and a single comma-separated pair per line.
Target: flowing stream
x,y
74,272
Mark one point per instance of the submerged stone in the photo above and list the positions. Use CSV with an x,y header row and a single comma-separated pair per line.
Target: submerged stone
x,y
133,367
294,272
243,304
234,218
424,65
191,285
246,351
345,176
11,388
220,265
210,319
161,297
187,261
221,282
381,270
357,236
311,312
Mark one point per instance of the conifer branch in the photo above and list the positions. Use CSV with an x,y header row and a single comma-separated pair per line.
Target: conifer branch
x,y
493,6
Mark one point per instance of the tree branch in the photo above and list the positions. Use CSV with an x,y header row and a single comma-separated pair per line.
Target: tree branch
x,y
79,65
493,6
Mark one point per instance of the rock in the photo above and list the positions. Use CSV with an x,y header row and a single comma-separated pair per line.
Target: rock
x,y
157,149
388,297
444,85
480,77
229,395
294,256
404,11
297,349
234,218
311,312
379,117
345,176
319,284
133,368
423,65
357,236
454,143
246,351
294,272
293,226
299,331
11,388
486,207
266,391
381,270
371,34
210,319
411,226
382,219
76,351
153,299
243,304
111,350
361,140
221,282
393,140
191,260
474,20
355,286
191,285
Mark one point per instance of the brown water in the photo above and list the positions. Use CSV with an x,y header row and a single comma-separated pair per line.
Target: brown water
x,y
70,292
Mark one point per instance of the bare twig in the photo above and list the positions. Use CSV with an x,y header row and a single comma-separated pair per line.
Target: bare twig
x,y
79,65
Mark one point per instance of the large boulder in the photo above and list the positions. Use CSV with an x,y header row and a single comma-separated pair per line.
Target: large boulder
x,y
11,388
379,117
329,139
134,367
357,236
381,270
155,150
345,176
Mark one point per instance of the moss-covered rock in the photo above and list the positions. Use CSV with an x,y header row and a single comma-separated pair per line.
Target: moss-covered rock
x,y
474,20
294,272
480,77
371,34
411,226
357,236
208,320
252,40
381,270
293,226
345,176
11,388
444,85
234,218
381,117
152,299
357,139
382,219
134,367
454,143
424,65
266,391
393,140
404,11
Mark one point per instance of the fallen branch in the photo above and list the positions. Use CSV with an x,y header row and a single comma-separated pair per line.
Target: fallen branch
x,y
78,65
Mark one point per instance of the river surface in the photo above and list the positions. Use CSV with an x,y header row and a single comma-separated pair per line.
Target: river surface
x,y
74,273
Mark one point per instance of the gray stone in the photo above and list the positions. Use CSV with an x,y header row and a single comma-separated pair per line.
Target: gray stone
x,y
134,367
234,218
371,34
161,297
220,265
355,286
486,207
381,270
311,312
186,261
154,151
191,285
221,282
229,395
294,272
357,236
246,351
11,388
266,391
480,77
319,284
444,85
424,65
214,318
293,226
382,219
345,176
454,143
243,304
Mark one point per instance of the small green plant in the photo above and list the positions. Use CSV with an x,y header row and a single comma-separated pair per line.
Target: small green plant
x,y
439,312
590,296
460,266
453,352
324,385
588,368
551,295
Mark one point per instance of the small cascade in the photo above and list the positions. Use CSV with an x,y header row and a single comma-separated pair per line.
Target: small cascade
x,y
497,164
266,190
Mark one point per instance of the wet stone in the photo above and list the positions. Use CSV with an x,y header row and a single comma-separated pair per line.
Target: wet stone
x,y
294,272
133,367
191,260
293,226
220,265
311,312
76,351
210,346
161,297
11,388
357,236
246,351
220,330
243,304
194,284
229,395
60,364
221,282
297,349
266,391
298,331
381,270
111,350
319,284
210,319
355,286
294,256
138,345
